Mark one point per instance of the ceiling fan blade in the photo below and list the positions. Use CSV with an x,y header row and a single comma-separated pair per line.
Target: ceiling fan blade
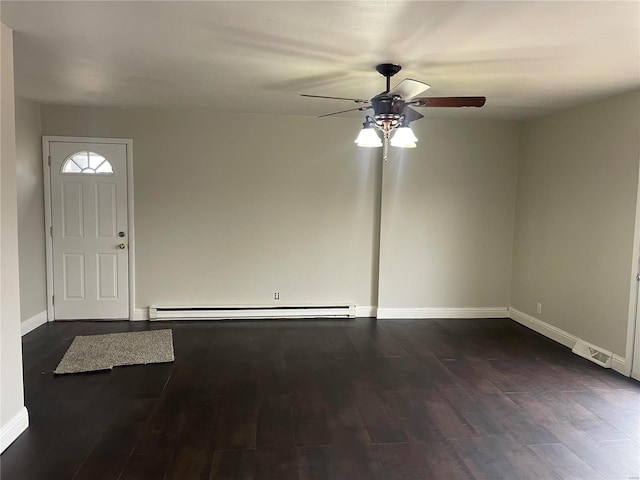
x,y
411,115
344,111
449,102
409,88
357,100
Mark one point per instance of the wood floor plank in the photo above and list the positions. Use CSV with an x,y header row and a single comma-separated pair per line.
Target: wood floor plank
x,y
624,419
274,422
443,460
382,424
190,462
626,450
275,461
194,450
147,465
503,457
552,407
275,439
271,374
476,413
375,342
450,423
356,454
338,346
592,453
403,461
471,374
517,421
233,465
163,429
422,338
353,444
311,427
114,447
319,463
600,430
565,462
238,423
409,406
329,373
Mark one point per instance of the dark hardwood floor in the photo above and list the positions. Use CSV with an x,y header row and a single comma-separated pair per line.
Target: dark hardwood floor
x,y
327,399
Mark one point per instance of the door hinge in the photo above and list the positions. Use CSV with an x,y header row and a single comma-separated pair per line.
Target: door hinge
x,y
49,160
53,299
51,231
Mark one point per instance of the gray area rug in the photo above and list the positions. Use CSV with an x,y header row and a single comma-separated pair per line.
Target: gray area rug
x,y
103,352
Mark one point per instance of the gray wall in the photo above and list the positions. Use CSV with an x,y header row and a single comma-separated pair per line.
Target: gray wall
x,y
576,202
229,209
30,209
12,411
447,217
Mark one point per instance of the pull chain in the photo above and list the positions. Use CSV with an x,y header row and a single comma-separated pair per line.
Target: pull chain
x,y
385,149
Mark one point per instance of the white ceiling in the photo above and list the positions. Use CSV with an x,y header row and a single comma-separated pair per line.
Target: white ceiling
x,y
527,58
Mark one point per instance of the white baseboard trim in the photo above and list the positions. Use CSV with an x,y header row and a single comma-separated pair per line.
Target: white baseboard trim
x,y
366,311
618,363
13,428
479,312
140,314
34,322
543,328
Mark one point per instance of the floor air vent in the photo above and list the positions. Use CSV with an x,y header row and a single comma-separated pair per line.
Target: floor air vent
x,y
593,353
250,312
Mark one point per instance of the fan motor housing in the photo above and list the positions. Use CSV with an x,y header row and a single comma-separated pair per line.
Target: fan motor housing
x,y
387,107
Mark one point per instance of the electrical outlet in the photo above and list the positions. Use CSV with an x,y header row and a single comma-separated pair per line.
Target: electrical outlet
x,y
276,295
539,308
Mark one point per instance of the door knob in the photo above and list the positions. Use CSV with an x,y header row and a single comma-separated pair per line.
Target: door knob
x,y
122,246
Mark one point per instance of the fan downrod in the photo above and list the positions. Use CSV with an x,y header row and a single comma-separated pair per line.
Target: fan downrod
x,y
388,70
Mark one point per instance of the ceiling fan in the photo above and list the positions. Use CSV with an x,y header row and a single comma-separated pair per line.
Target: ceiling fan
x,y
392,110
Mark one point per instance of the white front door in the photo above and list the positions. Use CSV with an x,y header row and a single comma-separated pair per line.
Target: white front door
x,y
89,230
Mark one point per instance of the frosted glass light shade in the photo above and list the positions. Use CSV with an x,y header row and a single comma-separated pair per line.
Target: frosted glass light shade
x,y
368,138
404,138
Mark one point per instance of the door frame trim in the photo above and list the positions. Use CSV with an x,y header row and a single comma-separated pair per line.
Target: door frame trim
x,y
632,350
46,139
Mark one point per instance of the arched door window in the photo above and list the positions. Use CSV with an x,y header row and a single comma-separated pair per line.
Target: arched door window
x,y
87,162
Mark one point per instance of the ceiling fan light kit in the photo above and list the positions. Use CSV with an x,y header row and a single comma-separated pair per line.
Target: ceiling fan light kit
x,y
393,112
404,138
368,136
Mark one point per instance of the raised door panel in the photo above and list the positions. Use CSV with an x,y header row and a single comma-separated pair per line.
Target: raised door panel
x,y
74,276
72,209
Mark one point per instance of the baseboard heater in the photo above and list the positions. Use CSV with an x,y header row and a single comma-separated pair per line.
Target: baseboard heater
x,y
251,312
